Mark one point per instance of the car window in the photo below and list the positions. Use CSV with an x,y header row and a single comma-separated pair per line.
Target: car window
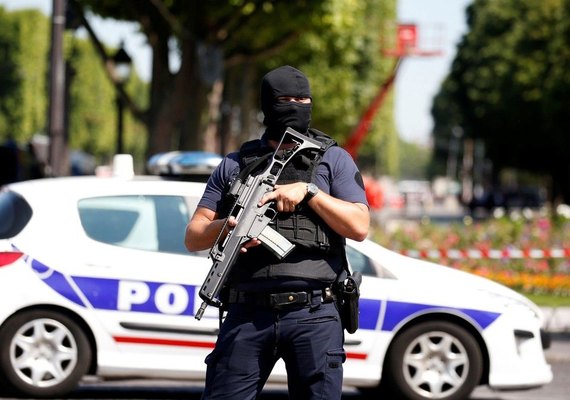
x,y
359,262
15,212
368,267
154,223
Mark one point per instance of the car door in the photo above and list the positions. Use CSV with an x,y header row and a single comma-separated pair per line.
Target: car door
x,y
141,283
366,347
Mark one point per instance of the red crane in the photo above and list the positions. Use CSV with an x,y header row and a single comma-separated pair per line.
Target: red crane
x,y
406,45
355,139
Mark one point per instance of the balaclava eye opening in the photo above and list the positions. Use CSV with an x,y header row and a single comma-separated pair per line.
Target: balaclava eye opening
x,y
285,81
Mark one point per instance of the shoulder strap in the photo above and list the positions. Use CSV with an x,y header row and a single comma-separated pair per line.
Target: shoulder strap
x,y
326,141
252,154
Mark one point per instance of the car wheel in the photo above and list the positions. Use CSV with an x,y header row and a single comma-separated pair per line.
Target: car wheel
x,y
434,360
42,354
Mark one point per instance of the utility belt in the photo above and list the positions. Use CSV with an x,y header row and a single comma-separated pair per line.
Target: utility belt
x,y
283,300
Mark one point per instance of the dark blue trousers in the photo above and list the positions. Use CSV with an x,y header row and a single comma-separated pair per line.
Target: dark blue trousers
x,y
251,340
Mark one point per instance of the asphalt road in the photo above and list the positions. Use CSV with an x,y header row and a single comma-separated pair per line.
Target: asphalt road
x,y
558,356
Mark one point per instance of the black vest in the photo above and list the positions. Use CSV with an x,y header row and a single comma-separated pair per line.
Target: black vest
x,y
318,251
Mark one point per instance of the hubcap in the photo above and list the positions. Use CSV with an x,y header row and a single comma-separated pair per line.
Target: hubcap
x,y
435,365
43,352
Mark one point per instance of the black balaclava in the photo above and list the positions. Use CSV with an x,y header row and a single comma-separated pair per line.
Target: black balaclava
x,y
285,81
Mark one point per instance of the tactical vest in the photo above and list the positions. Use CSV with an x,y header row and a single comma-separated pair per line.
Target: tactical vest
x,y
317,254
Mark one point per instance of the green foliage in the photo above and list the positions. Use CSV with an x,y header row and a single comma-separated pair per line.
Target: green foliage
x,y
336,42
509,85
23,84
341,55
93,105
8,72
92,118
92,125
539,276
548,300
413,162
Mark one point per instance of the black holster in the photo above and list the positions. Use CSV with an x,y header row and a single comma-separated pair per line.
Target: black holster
x,y
348,294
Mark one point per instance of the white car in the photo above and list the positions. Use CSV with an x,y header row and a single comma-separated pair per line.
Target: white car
x,y
95,280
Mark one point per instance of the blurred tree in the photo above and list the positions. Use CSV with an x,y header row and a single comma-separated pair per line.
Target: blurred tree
x,y
413,162
224,52
92,126
208,37
226,46
92,105
343,57
509,86
92,121
23,73
8,71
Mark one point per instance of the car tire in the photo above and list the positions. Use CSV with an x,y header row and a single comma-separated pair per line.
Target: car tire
x,y
42,354
433,360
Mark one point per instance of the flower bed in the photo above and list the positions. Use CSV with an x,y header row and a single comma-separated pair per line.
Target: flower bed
x,y
547,275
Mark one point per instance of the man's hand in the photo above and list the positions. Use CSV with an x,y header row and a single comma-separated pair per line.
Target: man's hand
x,y
286,197
351,220
204,228
250,243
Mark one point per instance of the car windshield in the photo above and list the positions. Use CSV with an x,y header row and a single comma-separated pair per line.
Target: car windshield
x,y
15,212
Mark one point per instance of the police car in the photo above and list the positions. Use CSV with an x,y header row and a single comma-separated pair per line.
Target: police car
x,y
95,280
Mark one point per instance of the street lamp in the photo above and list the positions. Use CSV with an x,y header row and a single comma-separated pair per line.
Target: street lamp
x,y
122,64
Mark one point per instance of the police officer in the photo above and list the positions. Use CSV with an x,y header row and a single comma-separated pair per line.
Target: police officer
x,y
284,308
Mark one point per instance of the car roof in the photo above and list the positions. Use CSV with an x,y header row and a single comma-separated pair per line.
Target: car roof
x,y
89,186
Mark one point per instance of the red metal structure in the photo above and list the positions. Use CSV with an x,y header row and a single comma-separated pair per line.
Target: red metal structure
x,y
406,45
357,136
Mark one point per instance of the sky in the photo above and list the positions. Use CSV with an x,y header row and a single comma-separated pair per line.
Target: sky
x,y
440,24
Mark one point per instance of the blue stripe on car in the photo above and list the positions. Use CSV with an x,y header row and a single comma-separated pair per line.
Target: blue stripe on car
x,y
397,311
102,293
369,313
57,281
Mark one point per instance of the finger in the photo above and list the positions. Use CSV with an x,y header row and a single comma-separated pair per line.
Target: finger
x,y
251,243
267,197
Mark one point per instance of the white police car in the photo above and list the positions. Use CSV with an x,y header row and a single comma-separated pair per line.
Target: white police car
x,y
95,280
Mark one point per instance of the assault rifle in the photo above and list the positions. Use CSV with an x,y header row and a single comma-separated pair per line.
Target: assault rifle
x,y
252,220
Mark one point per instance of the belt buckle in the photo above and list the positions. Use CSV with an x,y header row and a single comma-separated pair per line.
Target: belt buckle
x,y
280,300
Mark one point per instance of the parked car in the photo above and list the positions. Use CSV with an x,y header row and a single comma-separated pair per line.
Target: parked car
x,y
184,165
95,280
509,199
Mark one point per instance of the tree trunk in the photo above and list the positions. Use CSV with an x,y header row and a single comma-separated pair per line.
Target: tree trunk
x,y
178,101
211,142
